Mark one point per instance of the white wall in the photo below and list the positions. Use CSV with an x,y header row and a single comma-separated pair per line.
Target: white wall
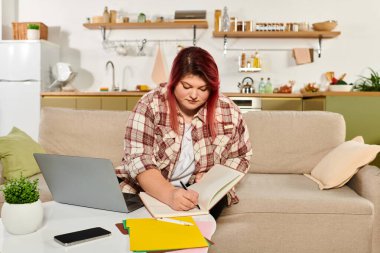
x,y
8,14
352,52
1,19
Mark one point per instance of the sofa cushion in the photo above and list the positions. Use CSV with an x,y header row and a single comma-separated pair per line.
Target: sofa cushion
x,y
1,175
16,154
289,193
339,165
71,132
292,141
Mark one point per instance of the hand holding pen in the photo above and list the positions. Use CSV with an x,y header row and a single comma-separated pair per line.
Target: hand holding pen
x,y
185,188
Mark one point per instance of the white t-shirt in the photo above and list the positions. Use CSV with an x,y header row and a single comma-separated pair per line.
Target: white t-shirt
x,y
185,165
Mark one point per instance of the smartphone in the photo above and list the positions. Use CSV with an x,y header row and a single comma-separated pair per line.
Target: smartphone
x,y
81,236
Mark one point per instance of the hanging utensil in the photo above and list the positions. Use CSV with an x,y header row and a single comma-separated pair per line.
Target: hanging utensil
x,y
141,48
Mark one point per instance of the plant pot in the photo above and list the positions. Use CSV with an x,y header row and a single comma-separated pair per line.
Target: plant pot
x,y
32,34
20,219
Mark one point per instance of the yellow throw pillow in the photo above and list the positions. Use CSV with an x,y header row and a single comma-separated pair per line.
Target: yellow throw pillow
x,y
16,154
344,161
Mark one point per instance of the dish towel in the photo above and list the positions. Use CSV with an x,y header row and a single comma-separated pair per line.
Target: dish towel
x,y
159,72
303,55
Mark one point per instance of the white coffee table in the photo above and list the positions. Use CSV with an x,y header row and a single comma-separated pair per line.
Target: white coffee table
x,y
61,218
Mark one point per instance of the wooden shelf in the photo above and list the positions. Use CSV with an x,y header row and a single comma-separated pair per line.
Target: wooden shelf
x,y
311,34
249,69
160,25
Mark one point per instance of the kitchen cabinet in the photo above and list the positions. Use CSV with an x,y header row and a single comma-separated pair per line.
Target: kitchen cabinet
x,y
132,101
88,103
61,102
362,116
313,104
114,103
283,104
83,101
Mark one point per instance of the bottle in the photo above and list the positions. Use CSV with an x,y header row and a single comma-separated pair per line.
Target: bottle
x,y
268,86
106,15
217,22
113,15
262,85
225,20
243,61
257,60
252,60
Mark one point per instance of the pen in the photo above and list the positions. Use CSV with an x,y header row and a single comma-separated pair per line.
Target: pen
x,y
184,187
179,222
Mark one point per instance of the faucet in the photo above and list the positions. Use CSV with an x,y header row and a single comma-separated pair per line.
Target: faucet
x,y
114,88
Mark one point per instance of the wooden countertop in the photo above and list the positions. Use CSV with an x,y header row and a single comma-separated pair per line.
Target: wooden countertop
x,y
93,93
229,94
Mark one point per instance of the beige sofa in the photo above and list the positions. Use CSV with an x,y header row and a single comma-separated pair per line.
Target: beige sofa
x,y
280,210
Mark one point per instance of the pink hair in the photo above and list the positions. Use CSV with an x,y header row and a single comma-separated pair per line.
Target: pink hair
x,y
198,62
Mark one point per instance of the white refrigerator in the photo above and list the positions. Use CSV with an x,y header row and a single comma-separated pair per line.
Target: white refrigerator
x,y
25,71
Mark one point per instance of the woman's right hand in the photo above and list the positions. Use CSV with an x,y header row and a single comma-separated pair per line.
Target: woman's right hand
x,y
183,200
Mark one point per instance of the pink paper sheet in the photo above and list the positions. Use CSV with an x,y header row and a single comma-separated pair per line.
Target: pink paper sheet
x,y
206,229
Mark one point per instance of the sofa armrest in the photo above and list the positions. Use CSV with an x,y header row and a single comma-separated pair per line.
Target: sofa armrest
x,y
366,183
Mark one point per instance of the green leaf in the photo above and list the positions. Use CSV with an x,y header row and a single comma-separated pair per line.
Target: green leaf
x,y
33,26
371,83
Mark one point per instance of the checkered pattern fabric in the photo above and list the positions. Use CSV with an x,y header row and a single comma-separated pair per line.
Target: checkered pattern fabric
x,y
150,142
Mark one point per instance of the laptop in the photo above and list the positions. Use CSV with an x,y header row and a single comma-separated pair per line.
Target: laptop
x,y
85,181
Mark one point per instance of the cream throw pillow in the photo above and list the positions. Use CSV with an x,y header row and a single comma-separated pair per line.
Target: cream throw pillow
x,y
340,164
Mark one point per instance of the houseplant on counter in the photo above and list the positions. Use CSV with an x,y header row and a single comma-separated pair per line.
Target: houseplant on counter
x,y
33,32
371,83
22,212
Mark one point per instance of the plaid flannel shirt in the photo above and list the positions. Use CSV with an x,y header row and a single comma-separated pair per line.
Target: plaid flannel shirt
x,y
151,143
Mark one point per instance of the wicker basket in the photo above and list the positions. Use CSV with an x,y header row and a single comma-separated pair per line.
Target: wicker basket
x,y
19,30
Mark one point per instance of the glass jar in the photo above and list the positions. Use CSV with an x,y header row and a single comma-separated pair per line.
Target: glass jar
x,y
141,18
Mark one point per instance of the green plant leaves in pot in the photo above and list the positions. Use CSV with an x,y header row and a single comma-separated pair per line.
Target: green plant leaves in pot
x,y
21,191
33,26
371,83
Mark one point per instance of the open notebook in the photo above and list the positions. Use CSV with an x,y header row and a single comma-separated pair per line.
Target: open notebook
x,y
214,185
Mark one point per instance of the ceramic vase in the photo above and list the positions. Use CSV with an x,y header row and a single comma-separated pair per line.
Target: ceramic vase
x,y
20,219
32,34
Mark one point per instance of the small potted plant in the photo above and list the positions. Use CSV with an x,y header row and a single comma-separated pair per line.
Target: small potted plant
x,y
22,212
33,32
371,83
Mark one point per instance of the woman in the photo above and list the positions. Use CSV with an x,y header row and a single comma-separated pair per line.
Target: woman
x,y
178,131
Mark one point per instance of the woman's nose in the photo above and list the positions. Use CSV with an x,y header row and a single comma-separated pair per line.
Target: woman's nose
x,y
194,93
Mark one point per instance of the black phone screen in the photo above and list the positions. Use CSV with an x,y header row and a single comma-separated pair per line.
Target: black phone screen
x,y
81,236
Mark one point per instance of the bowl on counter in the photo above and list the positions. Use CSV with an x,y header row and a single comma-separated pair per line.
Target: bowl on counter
x,y
340,87
327,26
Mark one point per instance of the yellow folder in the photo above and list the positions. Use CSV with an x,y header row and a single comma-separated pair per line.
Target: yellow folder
x,y
148,234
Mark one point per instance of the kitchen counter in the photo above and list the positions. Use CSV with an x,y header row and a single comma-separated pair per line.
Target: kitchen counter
x,y
93,93
229,94
347,94
141,93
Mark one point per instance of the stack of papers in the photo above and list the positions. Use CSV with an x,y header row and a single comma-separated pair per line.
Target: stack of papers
x,y
149,234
